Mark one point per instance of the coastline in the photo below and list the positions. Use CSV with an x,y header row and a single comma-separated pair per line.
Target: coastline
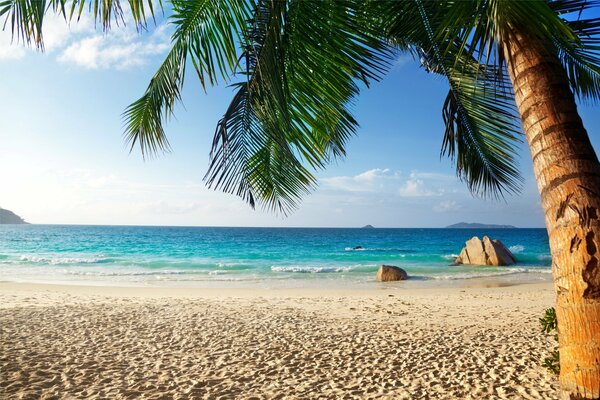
x,y
326,282
127,342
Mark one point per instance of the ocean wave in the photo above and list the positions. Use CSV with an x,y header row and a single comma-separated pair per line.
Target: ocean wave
x,y
544,257
63,260
380,249
309,269
450,256
134,273
228,264
217,272
484,274
516,249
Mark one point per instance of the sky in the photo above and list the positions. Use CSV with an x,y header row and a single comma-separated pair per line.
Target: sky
x,y
63,159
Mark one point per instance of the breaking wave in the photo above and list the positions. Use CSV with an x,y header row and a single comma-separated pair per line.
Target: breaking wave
x,y
517,248
64,260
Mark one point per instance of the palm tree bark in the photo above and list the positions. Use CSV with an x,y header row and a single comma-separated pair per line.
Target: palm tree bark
x,y
567,172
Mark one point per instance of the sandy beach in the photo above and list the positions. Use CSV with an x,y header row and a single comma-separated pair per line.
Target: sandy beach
x,y
387,343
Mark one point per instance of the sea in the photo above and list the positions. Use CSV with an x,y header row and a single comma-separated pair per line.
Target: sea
x,y
258,257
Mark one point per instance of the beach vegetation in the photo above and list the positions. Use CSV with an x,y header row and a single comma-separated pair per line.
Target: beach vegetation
x,y
514,72
549,327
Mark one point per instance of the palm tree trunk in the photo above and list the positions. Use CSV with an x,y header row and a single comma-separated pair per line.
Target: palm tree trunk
x,y
567,172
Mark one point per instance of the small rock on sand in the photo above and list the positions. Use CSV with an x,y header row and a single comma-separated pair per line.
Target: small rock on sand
x,y
389,273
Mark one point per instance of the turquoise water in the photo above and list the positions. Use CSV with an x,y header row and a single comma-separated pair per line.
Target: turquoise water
x,y
203,256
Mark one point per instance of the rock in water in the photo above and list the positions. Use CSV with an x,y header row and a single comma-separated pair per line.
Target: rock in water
x,y
498,254
486,252
389,273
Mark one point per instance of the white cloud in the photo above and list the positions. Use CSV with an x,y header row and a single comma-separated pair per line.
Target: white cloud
x,y
79,43
56,33
378,180
121,48
445,206
9,49
428,184
375,179
414,187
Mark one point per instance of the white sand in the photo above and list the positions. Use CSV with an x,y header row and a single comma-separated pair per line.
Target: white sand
x,y
116,343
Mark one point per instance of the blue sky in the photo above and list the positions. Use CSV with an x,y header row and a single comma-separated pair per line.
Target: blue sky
x,y
63,158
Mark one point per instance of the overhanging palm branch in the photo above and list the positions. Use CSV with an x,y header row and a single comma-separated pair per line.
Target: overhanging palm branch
x,y
251,156
482,27
580,52
482,130
481,125
302,63
206,33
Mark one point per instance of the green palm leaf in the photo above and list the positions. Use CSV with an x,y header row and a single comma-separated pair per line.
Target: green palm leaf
x,y
206,34
25,17
481,125
482,130
580,52
302,63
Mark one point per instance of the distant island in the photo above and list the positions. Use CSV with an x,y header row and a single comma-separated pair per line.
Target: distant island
x,y
468,225
9,217
368,227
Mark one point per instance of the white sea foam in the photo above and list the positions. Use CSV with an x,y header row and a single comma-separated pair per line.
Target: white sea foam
x,y
62,260
450,256
217,272
543,271
517,248
482,274
380,249
309,269
228,264
129,273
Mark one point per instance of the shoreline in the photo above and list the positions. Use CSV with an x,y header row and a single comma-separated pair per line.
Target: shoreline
x,y
309,281
378,288
383,289
200,343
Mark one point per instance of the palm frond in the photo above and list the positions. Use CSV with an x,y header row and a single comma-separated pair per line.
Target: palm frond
x,y
303,61
251,156
481,127
144,117
211,30
580,52
206,32
482,130
26,17
483,26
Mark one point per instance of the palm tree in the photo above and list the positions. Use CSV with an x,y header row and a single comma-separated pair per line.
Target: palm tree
x,y
296,66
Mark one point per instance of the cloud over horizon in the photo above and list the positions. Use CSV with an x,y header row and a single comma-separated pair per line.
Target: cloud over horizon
x,y
394,183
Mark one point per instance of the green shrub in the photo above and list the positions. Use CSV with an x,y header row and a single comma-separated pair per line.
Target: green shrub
x,y
549,327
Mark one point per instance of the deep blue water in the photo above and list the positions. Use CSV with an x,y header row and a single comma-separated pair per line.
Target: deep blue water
x,y
203,255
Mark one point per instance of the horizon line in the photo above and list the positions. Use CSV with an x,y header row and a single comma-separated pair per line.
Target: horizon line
x,y
278,227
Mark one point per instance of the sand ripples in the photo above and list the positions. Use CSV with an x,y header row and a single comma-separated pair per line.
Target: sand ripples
x,y
474,344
